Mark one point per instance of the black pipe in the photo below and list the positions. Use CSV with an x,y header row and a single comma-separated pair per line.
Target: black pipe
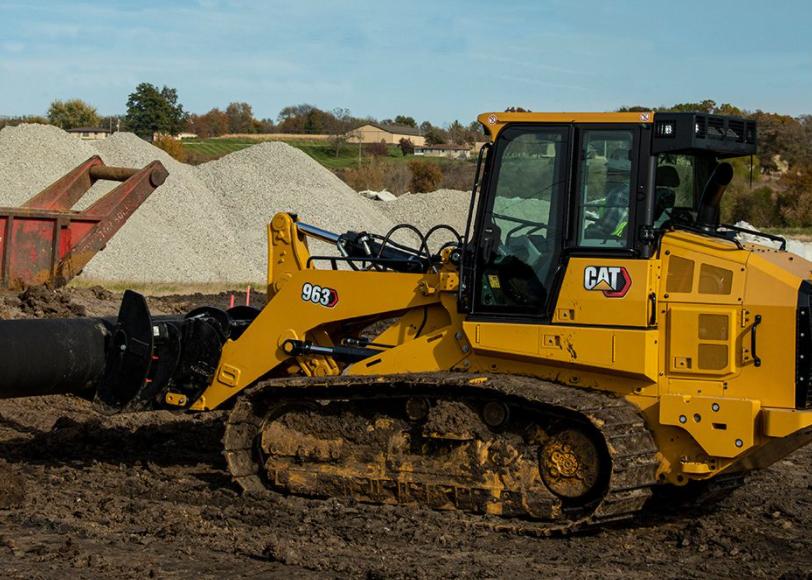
x,y
707,216
51,356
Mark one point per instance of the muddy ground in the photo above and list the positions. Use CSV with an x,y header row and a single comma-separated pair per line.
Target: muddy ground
x,y
148,496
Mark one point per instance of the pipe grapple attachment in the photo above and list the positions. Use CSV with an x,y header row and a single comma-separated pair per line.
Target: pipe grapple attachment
x,y
135,362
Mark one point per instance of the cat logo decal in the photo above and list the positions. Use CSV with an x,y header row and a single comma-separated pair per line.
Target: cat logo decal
x,y
613,281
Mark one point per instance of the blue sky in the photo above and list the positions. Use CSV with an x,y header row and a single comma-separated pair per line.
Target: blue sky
x,y
435,60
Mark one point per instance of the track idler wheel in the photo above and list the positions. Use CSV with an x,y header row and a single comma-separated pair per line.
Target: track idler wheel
x,y
570,464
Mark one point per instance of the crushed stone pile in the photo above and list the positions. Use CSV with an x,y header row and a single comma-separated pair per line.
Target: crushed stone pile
x,y
206,223
254,183
426,210
180,233
33,156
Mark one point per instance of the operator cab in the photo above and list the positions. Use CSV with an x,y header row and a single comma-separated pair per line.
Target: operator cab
x,y
557,185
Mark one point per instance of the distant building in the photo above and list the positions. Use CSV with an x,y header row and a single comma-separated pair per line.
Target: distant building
x,y
389,134
450,151
179,137
90,133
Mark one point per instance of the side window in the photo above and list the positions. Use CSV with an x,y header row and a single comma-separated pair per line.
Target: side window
x,y
605,188
521,229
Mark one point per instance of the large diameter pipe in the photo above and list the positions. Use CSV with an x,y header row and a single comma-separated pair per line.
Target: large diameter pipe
x,y
51,356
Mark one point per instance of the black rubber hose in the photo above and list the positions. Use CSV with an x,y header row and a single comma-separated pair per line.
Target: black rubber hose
x,y
51,356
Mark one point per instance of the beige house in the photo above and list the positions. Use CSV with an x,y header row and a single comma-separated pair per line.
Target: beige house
x,y
90,133
389,134
450,151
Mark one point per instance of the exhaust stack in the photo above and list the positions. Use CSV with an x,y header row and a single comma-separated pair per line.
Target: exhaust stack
x,y
707,216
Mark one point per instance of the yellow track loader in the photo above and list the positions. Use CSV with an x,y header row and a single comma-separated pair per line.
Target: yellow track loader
x,y
595,337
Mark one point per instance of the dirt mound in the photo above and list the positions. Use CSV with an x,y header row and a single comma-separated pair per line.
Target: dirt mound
x,y
43,302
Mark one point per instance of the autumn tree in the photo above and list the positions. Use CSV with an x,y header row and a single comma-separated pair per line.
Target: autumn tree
x,y
212,124
426,176
795,197
240,118
781,137
406,146
72,113
151,111
340,125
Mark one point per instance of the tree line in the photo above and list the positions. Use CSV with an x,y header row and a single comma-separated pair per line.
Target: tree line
x,y
152,110
780,195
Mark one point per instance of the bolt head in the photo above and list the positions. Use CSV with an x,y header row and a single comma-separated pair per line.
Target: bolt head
x,y
683,419
715,407
739,443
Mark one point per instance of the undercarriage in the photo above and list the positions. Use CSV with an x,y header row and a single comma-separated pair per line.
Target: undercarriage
x,y
518,448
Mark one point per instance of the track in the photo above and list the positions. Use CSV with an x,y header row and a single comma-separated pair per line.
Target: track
x,y
273,440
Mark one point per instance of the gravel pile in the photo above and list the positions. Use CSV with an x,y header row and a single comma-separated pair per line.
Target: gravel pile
x,y
426,210
206,223
180,233
255,183
33,156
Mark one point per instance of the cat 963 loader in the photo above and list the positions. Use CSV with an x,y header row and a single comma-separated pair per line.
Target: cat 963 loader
x,y
593,338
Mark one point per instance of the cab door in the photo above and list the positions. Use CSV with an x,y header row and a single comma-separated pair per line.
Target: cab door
x,y
521,224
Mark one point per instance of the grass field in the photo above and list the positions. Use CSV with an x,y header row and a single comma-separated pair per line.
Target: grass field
x,y
208,149
202,150
388,172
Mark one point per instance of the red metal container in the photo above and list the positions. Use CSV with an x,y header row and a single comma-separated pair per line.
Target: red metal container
x,y
45,242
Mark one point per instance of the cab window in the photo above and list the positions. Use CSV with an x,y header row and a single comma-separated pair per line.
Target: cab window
x,y
678,184
604,188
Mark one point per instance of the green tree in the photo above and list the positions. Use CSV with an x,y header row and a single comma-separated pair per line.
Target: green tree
x,y
404,120
72,113
151,111
435,136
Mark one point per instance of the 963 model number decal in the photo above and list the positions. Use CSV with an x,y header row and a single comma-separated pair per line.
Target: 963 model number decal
x,y
326,297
